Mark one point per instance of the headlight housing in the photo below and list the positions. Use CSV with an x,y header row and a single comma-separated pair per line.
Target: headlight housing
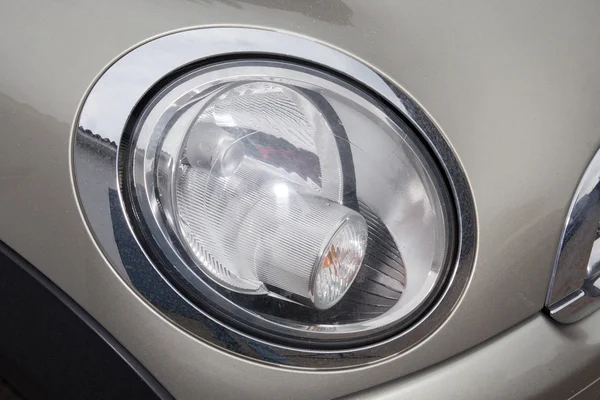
x,y
283,195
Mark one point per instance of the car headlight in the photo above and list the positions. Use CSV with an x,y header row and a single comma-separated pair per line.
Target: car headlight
x,y
292,195
283,199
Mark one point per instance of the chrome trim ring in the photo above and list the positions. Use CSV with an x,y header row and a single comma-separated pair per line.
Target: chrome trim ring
x,y
574,290
103,119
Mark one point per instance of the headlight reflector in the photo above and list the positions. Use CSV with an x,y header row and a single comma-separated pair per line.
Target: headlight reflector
x,y
258,189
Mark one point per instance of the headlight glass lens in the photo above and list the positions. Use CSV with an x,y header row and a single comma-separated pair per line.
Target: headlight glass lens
x,y
289,202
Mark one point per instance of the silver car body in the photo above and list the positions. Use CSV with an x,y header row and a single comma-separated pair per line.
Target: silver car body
x,y
512,85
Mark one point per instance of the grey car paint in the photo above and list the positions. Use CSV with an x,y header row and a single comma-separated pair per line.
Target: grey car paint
x,y
514,87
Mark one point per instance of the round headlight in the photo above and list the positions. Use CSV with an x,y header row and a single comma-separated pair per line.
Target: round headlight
x,y
289,201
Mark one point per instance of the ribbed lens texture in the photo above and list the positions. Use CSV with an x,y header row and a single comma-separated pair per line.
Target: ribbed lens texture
x,y
266,216
281,128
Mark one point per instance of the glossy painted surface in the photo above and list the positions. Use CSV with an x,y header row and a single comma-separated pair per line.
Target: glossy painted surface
x,y
513,85
545,362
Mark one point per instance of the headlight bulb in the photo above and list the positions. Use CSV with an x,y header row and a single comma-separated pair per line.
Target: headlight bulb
x,y
212,148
